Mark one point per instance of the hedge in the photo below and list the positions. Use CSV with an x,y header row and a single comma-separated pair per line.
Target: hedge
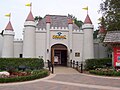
x,y
35,75
91,64
105,73
32,63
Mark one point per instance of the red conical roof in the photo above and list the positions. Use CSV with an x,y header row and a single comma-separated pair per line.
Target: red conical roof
x,y
30,17
87,20
102,30
70,21
9,26
48,20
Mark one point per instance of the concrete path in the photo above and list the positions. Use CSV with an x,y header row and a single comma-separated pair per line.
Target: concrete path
x,y
65,70
63,79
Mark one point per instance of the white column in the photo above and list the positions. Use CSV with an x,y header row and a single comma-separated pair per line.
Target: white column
x,y
29,44
70,26
88,41
8,45
48,41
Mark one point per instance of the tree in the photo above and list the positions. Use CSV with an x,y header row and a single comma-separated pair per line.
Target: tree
x,y
95,34
110,10
37,18
79,23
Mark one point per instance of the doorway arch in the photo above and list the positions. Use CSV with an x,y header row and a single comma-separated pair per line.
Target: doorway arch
x,y
59,53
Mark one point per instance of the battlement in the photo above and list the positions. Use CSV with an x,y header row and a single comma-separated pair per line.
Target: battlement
x,y
40,30
78,31
18,39
59,28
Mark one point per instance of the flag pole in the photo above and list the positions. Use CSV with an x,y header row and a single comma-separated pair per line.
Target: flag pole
x,y
87,10
30,6
10,17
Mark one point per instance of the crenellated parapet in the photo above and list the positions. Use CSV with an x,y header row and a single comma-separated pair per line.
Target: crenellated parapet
x,y
40,30
59,28
77,31
18,40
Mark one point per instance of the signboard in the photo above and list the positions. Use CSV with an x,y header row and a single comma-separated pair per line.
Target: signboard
x,y
77,54
59,36
116,56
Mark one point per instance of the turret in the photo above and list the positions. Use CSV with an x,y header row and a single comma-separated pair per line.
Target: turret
x,y
29,46
8,38
70,27
101,33
88,49
48,21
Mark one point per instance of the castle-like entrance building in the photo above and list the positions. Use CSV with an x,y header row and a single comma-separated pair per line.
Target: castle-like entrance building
x,y
55,38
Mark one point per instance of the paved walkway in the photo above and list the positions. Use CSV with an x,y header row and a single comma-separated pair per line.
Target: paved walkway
x,y
67,79
65,70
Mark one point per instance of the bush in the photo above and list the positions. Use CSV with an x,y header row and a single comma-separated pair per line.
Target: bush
x,y
36,74
91,64
106,72
10,63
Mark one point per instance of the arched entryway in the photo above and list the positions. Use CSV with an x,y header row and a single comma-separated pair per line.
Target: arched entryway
x,y
59,54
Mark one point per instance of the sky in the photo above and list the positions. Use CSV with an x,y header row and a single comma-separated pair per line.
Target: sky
x,y
19,11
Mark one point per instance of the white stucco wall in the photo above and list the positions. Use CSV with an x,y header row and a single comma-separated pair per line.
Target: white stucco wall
x,y
18,48
41,45
59,41
96,50
8,46
102,51
1,45
29,40
77,46
88,41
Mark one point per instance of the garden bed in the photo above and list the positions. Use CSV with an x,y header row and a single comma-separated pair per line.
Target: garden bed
x,y
24,76
105,72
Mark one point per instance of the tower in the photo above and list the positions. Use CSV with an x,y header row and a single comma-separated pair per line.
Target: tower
x,y
70,27
101,33
48,21
29,42
88,48
8,38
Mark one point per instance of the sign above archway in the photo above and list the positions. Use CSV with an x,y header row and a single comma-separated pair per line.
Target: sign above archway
x,y
59,36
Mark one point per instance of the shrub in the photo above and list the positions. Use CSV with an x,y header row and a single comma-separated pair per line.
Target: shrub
x,y
106,73
10,63
35,75
91,64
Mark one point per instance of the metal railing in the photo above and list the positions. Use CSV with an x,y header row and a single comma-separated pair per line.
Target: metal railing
x,y
76,65
50,66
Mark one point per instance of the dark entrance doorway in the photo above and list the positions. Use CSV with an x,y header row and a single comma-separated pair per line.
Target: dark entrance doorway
x,y
59,54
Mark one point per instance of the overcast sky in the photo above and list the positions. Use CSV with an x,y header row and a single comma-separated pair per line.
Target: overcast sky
x,y
19,11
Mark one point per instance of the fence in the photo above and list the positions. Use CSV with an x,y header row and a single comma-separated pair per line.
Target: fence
x,y
76,65
50,65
